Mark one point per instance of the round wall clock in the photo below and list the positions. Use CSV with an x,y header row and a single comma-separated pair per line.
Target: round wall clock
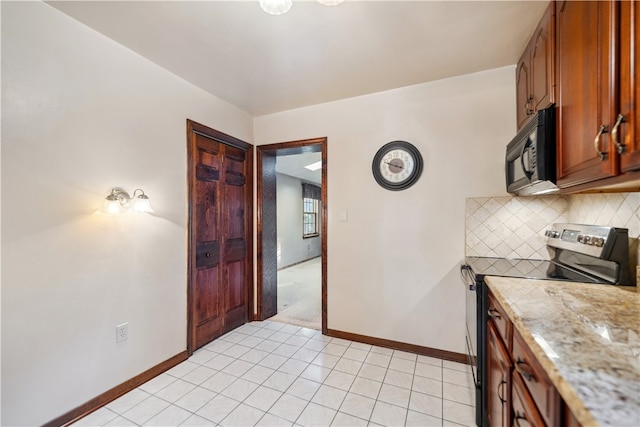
x,y
397,165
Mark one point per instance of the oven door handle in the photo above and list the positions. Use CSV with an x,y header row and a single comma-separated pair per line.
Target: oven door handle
x,y
467,277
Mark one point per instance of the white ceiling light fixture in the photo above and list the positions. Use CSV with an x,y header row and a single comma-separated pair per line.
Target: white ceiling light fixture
x,y
276,7
330,2
314,166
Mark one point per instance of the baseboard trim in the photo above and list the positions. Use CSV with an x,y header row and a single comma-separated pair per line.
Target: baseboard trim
x,y
117,391
397,345
299,262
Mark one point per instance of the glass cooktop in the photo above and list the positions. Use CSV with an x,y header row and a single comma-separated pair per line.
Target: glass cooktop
x,y
527,269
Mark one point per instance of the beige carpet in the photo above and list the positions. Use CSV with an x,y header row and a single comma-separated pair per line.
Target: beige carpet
x,y
300,295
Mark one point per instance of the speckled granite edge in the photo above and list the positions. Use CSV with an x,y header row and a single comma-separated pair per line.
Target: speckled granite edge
x,y
564,323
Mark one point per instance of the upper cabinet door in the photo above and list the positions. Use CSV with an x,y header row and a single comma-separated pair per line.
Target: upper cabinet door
x,y
535,78
587,88
543,61
628,132
523,90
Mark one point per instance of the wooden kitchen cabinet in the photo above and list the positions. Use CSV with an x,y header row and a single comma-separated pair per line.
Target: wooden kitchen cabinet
x,y
498,379
525,411
535,72
629,131
518,391
596,83
536,386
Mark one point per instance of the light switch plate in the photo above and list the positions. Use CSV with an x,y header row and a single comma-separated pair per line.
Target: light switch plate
x,y
344,215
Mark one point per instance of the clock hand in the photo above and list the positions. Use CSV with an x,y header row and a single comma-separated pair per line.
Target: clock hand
x,y
391,164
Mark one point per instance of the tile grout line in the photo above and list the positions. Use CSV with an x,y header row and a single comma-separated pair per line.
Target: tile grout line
x,y
237,337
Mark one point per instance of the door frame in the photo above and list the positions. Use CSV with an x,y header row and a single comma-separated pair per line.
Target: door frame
x,y
197,128
280,149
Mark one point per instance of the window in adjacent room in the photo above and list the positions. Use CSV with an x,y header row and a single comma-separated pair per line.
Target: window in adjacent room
x,y
310,210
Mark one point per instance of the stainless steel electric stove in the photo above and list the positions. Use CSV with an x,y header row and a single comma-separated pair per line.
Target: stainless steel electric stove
x,y
578,252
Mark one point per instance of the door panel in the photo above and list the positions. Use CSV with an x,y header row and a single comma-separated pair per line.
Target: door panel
x,y
586,91
208,291
234,211
235,278
206,211
630,84
523,107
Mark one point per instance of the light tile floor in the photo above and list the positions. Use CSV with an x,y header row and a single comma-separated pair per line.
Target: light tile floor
x,y
274,374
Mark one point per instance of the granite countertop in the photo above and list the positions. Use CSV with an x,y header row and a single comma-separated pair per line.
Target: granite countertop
x,y
587,339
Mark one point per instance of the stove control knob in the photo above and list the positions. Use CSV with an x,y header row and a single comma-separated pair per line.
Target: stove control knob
x,y
580,238
598,241
587,240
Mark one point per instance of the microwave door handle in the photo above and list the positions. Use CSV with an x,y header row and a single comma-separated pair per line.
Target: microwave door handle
x,y
527,172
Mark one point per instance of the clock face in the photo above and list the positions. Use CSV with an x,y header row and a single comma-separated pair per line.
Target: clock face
x,y
397,165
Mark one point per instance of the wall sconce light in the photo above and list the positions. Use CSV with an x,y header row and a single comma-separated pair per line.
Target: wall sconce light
x,y
119,201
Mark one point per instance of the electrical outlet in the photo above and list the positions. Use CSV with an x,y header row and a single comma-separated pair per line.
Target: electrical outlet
x,y
122,332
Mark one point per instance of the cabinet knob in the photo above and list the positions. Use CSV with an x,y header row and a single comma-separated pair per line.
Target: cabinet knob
x,y
596,143
622,148
208,254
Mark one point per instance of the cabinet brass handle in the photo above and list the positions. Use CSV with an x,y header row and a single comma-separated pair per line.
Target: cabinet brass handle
x,y
502,382
208,254
517,416
596,143
527,107
622,148
493,313
524,370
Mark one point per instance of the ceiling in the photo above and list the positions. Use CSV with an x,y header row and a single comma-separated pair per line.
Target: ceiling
x,y
313,54
294,165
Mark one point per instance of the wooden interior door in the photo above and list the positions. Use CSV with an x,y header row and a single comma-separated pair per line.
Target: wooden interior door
x,y
220,279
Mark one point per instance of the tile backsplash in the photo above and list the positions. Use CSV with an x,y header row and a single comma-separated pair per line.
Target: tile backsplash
x,y
513,227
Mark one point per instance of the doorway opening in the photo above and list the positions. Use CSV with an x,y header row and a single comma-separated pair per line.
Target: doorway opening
x,y
270,251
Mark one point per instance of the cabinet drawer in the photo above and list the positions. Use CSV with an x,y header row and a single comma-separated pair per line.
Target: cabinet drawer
x,y
525,412
536,382
498,317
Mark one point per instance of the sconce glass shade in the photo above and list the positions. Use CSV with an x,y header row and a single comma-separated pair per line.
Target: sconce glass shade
x,y
141,204
276,7
112,206
115,202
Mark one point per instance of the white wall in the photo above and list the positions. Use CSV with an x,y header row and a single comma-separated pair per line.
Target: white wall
x,y
292,248
81,114
393,267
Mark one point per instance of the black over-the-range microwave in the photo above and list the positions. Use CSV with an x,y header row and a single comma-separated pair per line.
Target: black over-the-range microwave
x,y
530,163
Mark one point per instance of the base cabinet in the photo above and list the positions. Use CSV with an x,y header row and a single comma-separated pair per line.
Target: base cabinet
x,y
498,380
525,412
518,391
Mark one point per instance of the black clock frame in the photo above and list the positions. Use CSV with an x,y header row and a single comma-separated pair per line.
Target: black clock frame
x,y
415,174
